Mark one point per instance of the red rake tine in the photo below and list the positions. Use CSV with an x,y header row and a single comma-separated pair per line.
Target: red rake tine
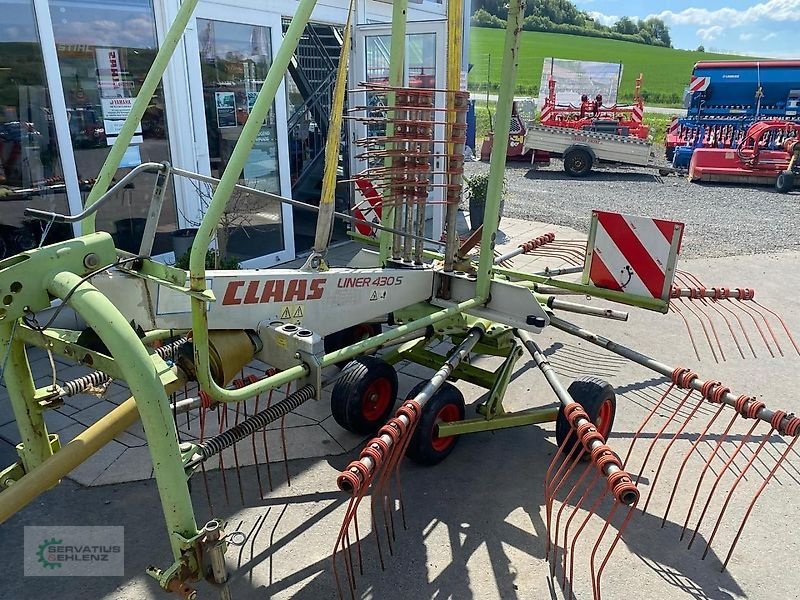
x,y
558,458
733,489
645,421
706,467
694,447
575,511
664,455
783,324
572,459
587,469
753,314
674,307
724,470
578,533
609,552
767,479
712,390
724,306
684,377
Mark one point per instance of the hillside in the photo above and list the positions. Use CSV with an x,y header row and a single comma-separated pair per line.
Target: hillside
x,y
666,70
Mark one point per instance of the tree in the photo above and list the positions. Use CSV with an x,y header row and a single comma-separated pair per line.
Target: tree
x,y
626,25
701,48
658,29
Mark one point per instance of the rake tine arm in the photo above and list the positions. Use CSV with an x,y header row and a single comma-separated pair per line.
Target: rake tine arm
x,y
742,404
593,442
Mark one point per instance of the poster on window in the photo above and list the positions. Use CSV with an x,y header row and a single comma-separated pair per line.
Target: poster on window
x,y
109,73
226,109
574,78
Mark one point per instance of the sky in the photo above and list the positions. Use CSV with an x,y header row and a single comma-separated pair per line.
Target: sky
x,y
753,27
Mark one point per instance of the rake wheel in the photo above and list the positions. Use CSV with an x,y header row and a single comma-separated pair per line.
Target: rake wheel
x,y
447,404
598,399
363,397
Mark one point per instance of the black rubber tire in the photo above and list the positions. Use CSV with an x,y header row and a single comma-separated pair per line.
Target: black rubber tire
x,y
422,449
670,155
359,378
591,393
349,336
578,162
785,182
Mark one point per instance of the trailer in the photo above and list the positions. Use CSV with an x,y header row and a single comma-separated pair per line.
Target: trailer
x,y
724,98
581,149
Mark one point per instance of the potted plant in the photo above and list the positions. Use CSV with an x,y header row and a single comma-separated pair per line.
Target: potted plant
x,y
477,187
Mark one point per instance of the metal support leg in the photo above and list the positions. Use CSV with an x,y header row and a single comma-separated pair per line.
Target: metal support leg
x,y
35,447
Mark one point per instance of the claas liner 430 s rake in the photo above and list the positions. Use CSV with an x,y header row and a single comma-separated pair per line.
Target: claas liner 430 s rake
x,y
161,329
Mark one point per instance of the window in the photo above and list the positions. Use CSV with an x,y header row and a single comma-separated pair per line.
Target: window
x,y
105,48
30,167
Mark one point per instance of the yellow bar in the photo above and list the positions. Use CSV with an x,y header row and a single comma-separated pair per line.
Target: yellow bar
x,y
53,469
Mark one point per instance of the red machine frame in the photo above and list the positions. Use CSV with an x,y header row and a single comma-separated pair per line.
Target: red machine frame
x,y
630,117
765,152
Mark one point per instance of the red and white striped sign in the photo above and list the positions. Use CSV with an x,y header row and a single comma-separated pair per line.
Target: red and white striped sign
x,y
546,112
367,207
699,84
637,114
635,255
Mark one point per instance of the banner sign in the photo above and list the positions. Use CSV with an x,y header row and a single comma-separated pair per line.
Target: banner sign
x,y
574,78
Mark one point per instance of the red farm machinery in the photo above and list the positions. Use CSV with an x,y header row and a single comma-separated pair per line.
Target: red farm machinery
x,y
725,98
769,153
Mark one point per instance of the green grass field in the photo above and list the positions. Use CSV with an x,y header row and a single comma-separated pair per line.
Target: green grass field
x,y
666,71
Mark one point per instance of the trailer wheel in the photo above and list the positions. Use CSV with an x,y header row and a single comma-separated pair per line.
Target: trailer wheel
x,y
597,398
578,162
447,404
785,182
364,395
670,155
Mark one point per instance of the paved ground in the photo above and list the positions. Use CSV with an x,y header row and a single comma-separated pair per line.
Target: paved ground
x,y
722,220
476,522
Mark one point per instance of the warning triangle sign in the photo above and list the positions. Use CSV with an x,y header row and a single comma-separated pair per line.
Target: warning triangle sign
x,y
298,313
374,296
286,313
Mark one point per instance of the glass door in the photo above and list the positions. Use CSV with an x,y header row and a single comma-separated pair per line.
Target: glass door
x,y
425,65
233,55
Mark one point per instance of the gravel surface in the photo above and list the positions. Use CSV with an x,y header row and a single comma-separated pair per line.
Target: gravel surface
x,y
721,219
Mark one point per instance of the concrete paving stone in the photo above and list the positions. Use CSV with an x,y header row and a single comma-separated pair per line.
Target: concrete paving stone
x,y
405,383
317,410
129,440
56,421
95,465
92,414
133,464
346,439
6,411
9,433
66,409
82,401
301,442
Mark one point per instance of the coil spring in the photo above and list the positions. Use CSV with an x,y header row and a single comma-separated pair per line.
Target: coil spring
x,y
97,378
258,421
81,384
